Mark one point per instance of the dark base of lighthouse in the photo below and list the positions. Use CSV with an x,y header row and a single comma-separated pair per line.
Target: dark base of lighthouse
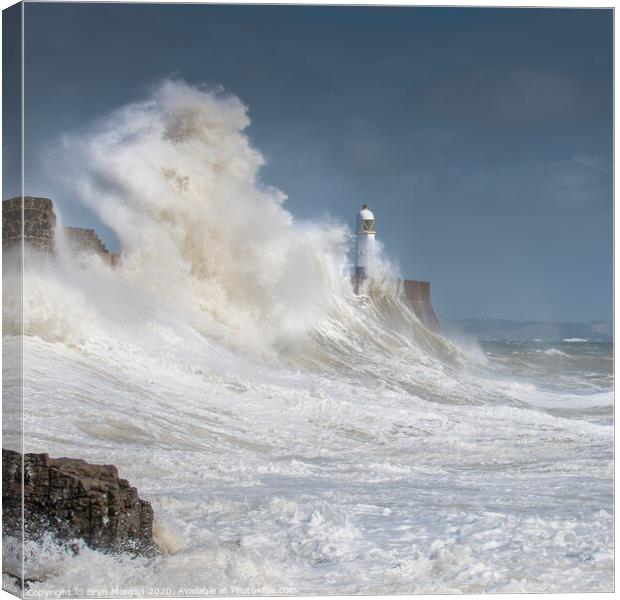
x,y
358,279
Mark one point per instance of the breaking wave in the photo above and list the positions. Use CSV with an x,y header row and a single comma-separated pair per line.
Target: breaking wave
x,y
205,242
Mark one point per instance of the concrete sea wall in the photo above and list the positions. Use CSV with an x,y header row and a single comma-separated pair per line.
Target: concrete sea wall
x,y
418,293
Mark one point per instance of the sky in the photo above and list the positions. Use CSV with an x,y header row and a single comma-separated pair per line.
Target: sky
x,y
481,138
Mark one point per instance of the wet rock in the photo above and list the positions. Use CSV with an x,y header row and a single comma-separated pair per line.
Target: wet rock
x,y
74,499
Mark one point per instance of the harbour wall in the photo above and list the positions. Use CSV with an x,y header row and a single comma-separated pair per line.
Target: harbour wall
x,y
39,232
39,222
418,294
39,227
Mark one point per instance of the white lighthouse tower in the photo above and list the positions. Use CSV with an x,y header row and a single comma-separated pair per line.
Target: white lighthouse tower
x,y
365,255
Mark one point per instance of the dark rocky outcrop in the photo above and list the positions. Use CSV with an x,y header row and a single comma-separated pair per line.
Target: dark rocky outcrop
x,y
74,499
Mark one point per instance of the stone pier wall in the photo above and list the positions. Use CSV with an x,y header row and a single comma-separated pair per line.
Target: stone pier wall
x,y
40,228
87,240
39,222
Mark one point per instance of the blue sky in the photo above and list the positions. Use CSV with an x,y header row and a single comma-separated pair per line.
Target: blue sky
x,y
481,138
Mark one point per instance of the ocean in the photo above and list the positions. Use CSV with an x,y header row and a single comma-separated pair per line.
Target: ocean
x,y
292,437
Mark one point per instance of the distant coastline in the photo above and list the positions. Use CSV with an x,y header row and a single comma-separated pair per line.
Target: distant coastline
x,y
507,330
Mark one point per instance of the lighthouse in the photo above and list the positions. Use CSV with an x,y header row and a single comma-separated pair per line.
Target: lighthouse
x,y
365,251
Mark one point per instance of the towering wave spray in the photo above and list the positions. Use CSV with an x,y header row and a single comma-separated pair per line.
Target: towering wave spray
x,y
176,178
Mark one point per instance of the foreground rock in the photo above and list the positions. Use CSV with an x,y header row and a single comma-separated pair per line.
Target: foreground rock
x,y
73,499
